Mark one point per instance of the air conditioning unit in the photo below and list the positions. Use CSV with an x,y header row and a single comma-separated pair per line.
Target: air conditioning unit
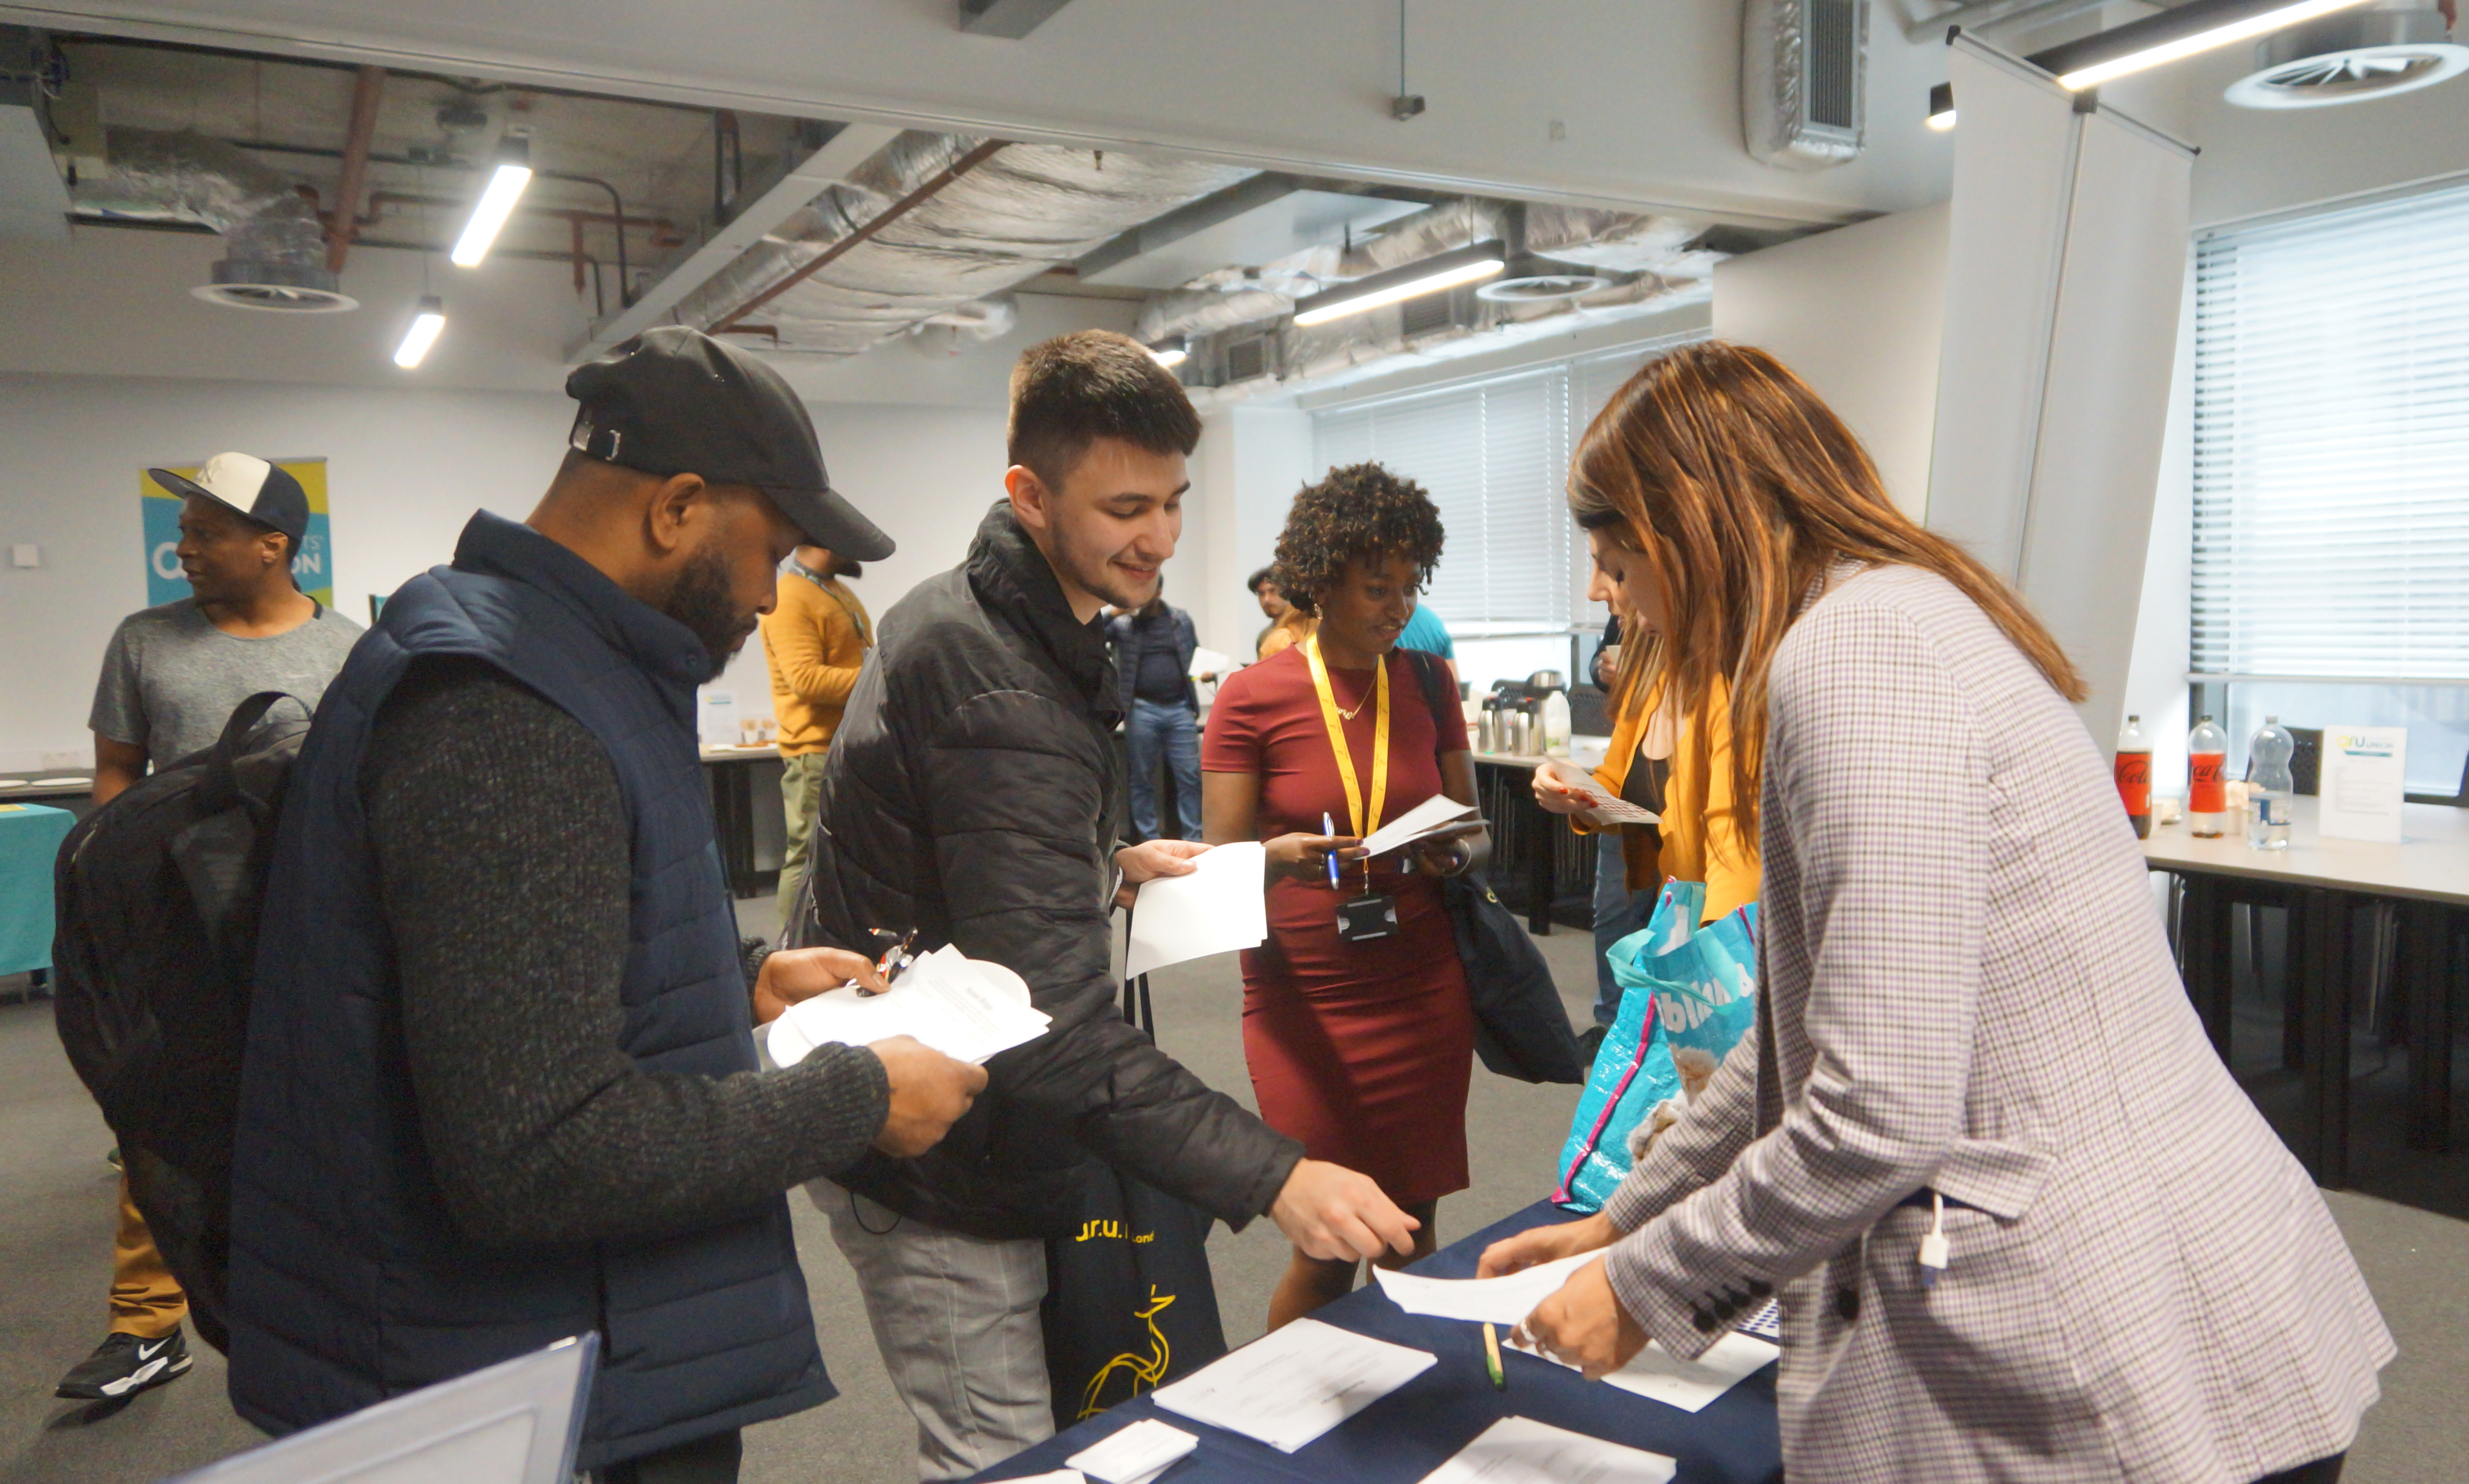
x,y
1804,81
2392,46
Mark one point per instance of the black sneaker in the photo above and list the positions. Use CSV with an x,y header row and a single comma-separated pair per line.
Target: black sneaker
x,y
123,1365
1592,1041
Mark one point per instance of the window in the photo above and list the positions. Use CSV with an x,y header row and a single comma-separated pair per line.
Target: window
x,y
1495,454
2331,529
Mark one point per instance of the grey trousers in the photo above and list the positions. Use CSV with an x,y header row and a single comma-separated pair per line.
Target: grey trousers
x,y
955,1319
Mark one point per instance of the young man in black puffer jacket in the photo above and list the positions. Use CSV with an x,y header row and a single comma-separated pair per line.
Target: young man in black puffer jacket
x,y
972,794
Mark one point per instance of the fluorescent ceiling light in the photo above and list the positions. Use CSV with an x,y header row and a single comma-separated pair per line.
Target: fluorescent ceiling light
x,y
1170,353
427,321
506,188
1447,270
1941,109
2174,34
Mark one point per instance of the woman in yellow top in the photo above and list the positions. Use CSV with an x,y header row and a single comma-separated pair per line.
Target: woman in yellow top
x,y
1654,760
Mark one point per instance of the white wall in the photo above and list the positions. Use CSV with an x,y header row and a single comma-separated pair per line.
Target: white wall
x,y
1857,314
1644,91
406,469
1251,462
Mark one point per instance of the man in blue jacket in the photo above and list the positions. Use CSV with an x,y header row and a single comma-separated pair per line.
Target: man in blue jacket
x,y
502,1085
1153,646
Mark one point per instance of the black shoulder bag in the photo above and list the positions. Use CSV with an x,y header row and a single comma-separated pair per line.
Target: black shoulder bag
x,y
1521,1030
1129,1301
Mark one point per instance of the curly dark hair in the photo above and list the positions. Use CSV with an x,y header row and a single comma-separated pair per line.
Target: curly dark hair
x,y
1356,511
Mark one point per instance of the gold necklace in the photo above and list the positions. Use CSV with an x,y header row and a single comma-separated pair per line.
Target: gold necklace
x,y
1367,692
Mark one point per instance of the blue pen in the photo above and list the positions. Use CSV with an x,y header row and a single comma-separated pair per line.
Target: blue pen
x,y
1328,825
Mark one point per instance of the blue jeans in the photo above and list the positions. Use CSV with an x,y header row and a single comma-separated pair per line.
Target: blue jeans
x,y
1150,729
1618,912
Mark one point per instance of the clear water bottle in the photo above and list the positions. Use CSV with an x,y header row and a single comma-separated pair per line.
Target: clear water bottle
x,y
2134,773
2269,788
2207,765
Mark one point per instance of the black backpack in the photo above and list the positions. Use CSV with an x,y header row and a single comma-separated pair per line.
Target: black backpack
x,y
158,894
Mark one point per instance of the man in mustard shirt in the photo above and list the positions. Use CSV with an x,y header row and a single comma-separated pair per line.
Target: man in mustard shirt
x,y
815,640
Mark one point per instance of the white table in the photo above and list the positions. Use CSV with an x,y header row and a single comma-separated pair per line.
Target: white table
x,y
2319,880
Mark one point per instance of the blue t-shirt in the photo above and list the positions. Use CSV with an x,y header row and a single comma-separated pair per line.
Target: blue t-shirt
x,y
1426,632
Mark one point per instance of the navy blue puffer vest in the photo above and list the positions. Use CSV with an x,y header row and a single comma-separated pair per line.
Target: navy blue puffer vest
x,y
349,1282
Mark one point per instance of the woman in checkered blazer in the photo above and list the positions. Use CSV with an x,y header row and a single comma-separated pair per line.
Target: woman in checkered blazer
x,y
1970,1024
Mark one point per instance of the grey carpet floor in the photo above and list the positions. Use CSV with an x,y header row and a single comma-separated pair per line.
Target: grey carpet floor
x,y
56,1258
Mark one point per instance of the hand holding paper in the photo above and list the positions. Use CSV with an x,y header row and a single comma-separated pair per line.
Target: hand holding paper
x,y
1217,908
1605,807
965,1008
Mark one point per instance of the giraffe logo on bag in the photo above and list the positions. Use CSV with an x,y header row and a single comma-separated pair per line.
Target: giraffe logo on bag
x,y
1145,1371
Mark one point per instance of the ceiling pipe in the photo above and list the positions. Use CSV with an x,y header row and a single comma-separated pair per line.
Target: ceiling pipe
x,y
927,191
367,88
1997,15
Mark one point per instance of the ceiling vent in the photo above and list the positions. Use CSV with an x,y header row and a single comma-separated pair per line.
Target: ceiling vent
x,y
275,251
1248,360
1541,287
1804,81
277,261
2394,47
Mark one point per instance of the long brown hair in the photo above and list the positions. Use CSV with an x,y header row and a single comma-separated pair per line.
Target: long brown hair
x,y
1740,488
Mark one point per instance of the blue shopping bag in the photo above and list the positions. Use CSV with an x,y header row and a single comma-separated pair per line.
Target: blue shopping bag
x,y
1695,995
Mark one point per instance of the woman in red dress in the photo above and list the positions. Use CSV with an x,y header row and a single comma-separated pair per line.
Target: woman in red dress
x,y
1360,1038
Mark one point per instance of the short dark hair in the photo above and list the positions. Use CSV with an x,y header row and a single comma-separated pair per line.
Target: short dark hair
x,y
1261,579
1071,390
1356,511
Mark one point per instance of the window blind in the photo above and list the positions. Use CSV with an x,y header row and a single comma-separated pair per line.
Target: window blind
x,y
1494,455
2332,447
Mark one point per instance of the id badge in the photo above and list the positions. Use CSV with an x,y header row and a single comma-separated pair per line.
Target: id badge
x,y
1367,918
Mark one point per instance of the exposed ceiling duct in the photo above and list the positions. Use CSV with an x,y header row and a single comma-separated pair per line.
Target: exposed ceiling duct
x,y
1024,211
275,246
1804,81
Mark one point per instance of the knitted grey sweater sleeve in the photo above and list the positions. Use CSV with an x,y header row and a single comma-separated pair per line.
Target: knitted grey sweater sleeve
x,y
500,839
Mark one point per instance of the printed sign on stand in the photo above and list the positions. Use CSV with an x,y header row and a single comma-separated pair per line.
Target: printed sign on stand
x,y
2361,782
312,565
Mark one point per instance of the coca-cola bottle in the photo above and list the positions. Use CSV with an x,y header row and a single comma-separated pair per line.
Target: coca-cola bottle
x,y
2207,765
2134,776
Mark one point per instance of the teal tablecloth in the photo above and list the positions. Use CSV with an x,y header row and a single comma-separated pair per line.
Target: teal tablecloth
x,y
29,837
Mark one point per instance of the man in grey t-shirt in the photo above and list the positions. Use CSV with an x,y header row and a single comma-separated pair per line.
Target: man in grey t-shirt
x,y
171,678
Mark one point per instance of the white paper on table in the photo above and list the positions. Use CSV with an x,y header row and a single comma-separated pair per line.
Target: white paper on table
x,y
1208,662
1609,808
1433,815
1658,1375
1140,1451
2361,783
1521,1451
1220,908
967,1009
1503,1300
1290,1387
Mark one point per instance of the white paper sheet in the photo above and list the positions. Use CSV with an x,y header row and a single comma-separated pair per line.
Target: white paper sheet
x,y
1139,1453
1220,908
1658,1375
965,1008
1521,1451
1208,662
1608,808
2361,782
1433,815
1290,1387
1506,1300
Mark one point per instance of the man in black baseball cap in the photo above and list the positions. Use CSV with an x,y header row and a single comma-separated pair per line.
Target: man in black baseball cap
x,y
501,1043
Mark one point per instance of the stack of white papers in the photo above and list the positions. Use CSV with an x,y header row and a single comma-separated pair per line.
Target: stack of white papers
x,y
1293,1385
1218,909
1504,1300
1521,1451
967,1009
1435,815
1608,808
1135,1455
1658,1375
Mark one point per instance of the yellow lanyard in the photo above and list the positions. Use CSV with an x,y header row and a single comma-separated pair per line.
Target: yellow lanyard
x,y
1337,740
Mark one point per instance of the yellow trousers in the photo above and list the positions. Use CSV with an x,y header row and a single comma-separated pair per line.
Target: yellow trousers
x,y
144,1300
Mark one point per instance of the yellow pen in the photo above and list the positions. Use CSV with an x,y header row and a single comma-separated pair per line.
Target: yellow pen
x,y
1492,1358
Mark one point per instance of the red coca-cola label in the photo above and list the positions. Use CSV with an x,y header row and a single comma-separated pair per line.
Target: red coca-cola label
x,y
2134,783
2204,777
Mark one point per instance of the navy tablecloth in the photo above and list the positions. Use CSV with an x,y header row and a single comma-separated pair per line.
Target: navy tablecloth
x,y
1414,1430
29,837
